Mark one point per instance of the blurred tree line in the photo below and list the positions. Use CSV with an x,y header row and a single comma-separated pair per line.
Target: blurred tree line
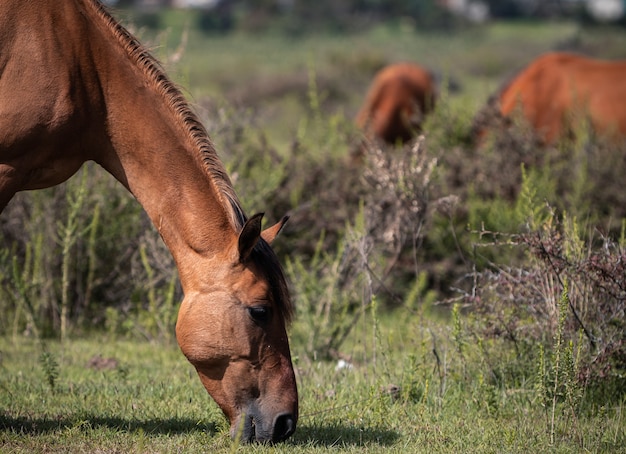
x,y
302,16
296,16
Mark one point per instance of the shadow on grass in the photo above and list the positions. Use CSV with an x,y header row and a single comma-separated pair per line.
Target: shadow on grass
x,y
321,436
35,426
337,435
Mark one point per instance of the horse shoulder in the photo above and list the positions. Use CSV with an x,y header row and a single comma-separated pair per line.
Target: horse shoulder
x,y
42,110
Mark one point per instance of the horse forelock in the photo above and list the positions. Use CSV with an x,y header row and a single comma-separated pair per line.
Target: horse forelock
x,y
174,98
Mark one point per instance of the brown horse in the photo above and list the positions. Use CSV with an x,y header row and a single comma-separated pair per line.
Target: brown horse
x,y
558,89
76,86
396,102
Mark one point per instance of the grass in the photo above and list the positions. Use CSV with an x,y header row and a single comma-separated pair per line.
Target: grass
x,y
394,397
146,398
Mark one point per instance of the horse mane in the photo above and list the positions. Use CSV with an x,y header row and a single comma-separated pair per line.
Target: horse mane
x,y
263,253
177,102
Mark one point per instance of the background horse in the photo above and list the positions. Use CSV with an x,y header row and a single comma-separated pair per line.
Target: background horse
x,y
397,101
76,86
558,91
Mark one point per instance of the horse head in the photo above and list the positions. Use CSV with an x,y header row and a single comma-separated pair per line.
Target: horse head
x,y
234,334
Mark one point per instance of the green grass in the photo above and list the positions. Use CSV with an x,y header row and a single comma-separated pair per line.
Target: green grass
x,y
151,401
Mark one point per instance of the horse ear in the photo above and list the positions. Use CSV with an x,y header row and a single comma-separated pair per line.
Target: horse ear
x,y
272,232
249,236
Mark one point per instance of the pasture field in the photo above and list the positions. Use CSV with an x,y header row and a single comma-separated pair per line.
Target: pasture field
x,y
115,395
447,300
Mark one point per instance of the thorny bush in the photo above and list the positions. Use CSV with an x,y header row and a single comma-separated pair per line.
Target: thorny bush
x,y
521,303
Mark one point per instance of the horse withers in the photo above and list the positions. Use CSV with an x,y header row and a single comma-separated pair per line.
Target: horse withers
x,y
76,86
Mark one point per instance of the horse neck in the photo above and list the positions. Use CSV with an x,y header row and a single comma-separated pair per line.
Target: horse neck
x,y
177,195
168,164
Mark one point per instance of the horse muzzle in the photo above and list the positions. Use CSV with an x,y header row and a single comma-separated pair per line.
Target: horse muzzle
x,y
253,426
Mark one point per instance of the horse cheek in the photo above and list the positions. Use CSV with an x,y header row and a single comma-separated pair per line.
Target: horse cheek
x,y
197,333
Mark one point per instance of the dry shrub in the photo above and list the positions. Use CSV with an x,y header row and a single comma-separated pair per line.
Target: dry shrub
x,y
580,176
583,168
389,188
397,202
606,167
374,249
521,303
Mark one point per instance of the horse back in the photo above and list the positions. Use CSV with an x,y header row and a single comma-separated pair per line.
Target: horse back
x,y
559,87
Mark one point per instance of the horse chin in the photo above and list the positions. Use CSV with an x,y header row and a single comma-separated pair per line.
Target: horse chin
x,y
249,431
244,429
251,428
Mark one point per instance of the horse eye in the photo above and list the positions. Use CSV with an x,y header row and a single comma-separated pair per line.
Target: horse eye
x,y
260,314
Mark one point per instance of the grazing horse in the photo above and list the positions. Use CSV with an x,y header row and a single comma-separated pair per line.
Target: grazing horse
x,y
76,86
558,89
395,105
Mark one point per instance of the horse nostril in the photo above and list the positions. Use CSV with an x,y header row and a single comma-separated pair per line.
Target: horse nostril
x,y
284,427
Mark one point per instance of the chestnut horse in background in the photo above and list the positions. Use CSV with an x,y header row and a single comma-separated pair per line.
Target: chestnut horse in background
x,y
399,97
76,86
557,90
